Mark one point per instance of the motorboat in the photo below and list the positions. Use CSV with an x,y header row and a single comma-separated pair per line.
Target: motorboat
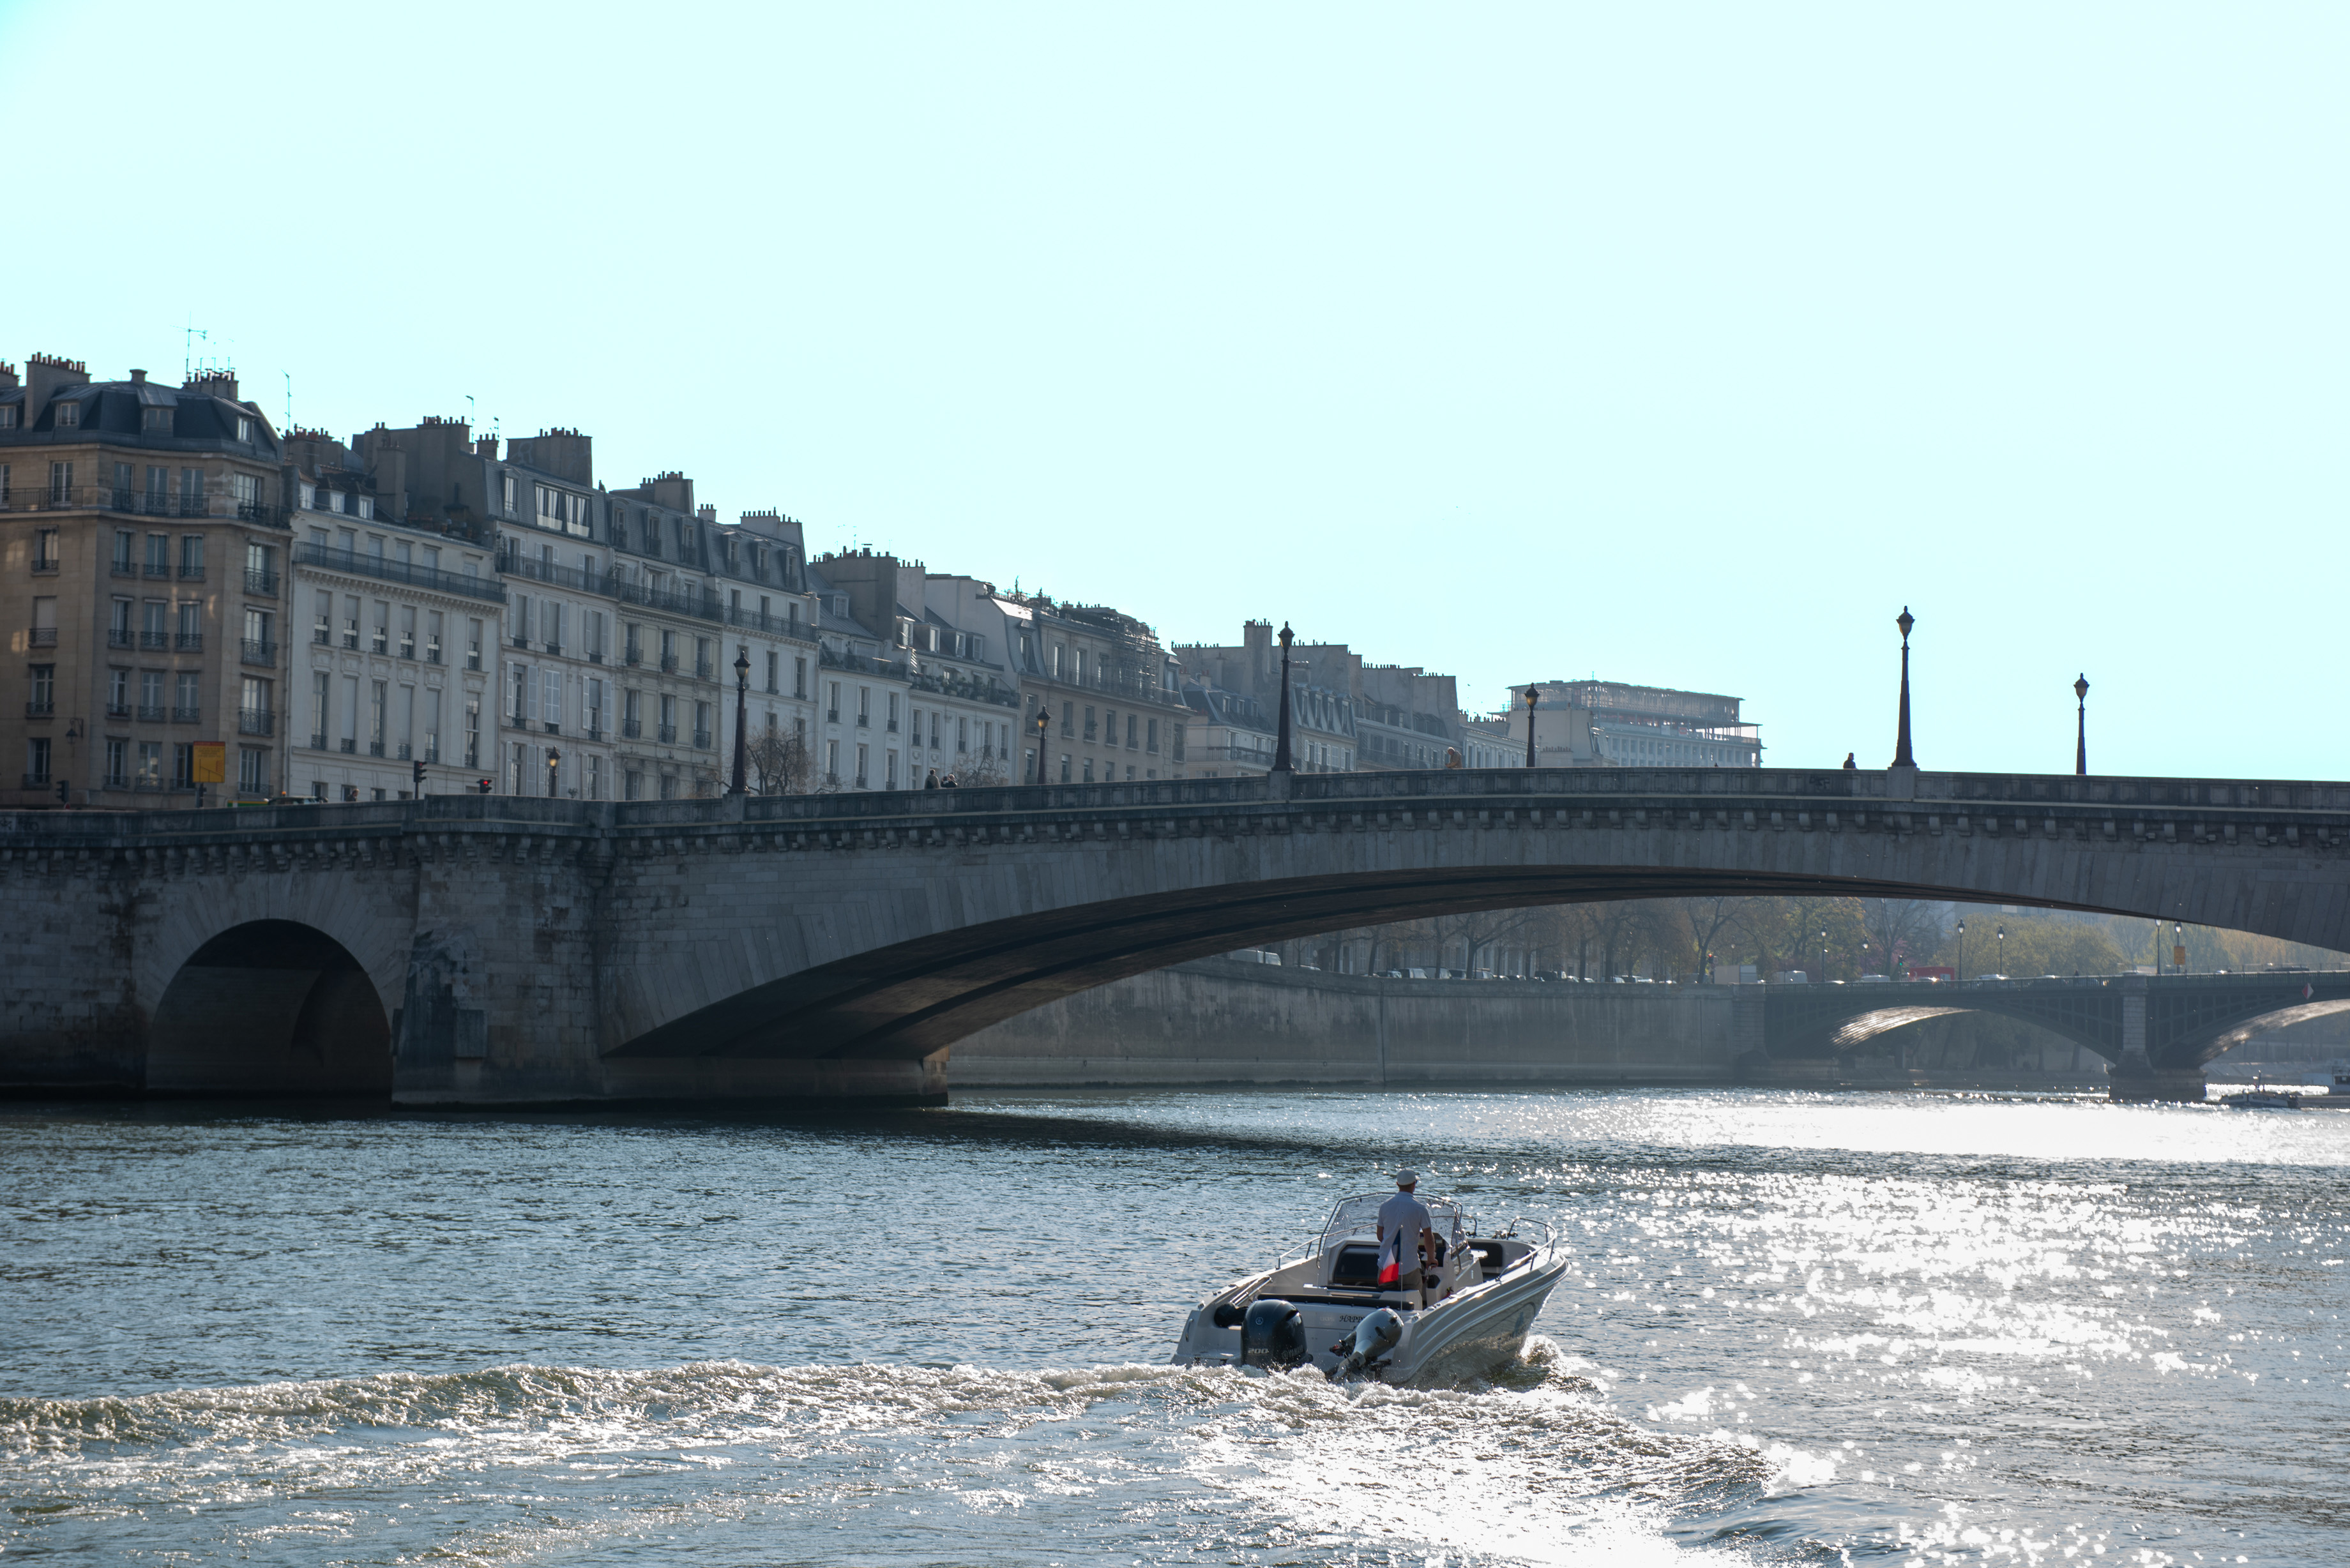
x,y
1326,1307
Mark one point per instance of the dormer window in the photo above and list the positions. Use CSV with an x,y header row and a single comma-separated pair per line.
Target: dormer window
x,y
244,428
309,497
68,416
155,421
367,506
7,415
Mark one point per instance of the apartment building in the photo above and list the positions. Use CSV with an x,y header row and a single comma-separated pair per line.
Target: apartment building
x,y
144,530
933,656
1109,692
771,614
1407,718
1324,679
391,673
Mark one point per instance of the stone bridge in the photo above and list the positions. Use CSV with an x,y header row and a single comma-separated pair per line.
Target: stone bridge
x,y
2159,1033
497,948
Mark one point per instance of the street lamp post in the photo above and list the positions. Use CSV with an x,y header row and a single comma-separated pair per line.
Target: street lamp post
x,y
554,760
742,704
1534,695
1959,972
1824,955
1280,763
1044,717
2001,950
1901,754
2081,746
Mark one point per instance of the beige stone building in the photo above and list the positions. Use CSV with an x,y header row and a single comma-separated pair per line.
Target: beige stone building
x,y
143,528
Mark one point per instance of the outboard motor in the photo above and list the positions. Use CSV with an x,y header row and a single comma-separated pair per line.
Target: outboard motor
x,y
1273,1335
1374,1337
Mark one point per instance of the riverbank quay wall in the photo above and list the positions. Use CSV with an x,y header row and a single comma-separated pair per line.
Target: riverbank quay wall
x,y
1219,1022
505,949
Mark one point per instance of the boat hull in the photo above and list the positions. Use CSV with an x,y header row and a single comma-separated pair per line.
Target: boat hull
x,y
1470,1334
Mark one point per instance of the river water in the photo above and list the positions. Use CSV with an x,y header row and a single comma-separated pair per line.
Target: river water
x,y
1798,1329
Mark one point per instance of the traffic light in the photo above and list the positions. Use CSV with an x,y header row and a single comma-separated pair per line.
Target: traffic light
x,y
483,786
416,770
65,795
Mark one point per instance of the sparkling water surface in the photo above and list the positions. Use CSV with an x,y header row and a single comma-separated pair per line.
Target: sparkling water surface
x,y
1799,1328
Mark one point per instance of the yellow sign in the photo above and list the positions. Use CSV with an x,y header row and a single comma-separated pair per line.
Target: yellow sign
x,y
211,763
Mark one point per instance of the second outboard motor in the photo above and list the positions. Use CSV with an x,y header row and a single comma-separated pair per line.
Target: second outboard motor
x,y
1373,1337
1273,1335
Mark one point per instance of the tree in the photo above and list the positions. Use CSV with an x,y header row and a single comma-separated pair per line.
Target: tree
x,y
982,773
779,762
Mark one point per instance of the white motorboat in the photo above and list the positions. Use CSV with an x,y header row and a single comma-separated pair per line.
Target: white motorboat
x,y
1326,1307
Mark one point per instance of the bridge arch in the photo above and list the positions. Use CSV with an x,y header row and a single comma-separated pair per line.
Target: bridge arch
x,y
270,1007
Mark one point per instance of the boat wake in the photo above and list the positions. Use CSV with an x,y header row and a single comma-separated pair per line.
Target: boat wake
x,y
519,1462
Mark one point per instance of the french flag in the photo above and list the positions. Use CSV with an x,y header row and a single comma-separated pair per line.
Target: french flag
x,y
1391,1259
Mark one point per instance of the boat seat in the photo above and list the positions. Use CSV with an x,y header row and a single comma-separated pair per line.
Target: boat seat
x,y
1356,1267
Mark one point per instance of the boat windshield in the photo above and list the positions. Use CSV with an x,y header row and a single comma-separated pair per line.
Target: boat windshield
x,y
1359,1216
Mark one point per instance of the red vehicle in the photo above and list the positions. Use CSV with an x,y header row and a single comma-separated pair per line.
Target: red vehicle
x,y
1929,971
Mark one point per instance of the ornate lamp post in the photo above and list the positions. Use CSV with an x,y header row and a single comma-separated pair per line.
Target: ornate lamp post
x,y
742,703
1280,763
2081,748
1901,756
554,759
1044,717
1824,955
2001,950
1960,973
1534,695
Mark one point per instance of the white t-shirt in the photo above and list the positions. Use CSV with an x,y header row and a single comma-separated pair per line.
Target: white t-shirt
x,y
1408,1214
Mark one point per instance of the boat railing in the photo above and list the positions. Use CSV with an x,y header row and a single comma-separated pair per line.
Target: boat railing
x,y
1509,1232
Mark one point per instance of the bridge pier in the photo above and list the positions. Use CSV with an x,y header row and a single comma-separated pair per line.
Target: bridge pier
x,y
2135,1079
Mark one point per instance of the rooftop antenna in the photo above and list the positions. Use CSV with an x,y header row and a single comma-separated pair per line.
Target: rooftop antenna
x,y
289,401
468,412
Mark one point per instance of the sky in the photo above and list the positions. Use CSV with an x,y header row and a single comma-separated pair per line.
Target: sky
x,y
1682,345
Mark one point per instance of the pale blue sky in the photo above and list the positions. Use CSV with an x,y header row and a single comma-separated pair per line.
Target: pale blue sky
x,y
1683,345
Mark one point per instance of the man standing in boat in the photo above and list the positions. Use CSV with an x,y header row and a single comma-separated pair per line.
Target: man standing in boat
x,y
1405,1227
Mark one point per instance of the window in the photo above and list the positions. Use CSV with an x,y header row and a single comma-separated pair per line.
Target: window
x,y
1129,731
506,492
192,557
44,544
118,763
1151,737
247,491
375,718
192,491
1089,724
68,416
1089,769
42,699
8,417
244,428
702,725
431,637
963,734
379,629
60,484
1068,721
472,731
890,770
432,726
799,674
472,644
36,754
860,767
1065,767
632,784
408,631
774,666
832,761
893,713
251,770
321,700
149,773
118,693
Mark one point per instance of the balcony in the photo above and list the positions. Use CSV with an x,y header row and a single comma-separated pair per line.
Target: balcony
x,y
832,715
122,570
37,781
257,651
347,746
375,748
433,751
45,637
256,721
152,713
118,781
595,731
669,664
38,709
157,571
351,637
433,652
187,715
704,671
45,569
376,566
521,641
556,649
317,740
156,640
865,720
118,710
669,734
321,637
407,648
634,729
633,657
379,643
403,753
262,585
701,739
595,658
552,727
188,643
191,573
892,727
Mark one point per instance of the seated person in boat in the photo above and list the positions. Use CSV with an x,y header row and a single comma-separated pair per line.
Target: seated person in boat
x,y
1407,1235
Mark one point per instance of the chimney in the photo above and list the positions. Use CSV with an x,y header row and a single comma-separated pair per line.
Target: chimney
x,y
138,378
45,377
486,446
7,377
564,453
214,384
1256,639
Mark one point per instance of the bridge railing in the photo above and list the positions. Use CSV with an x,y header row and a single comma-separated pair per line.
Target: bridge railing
x,y
1987,800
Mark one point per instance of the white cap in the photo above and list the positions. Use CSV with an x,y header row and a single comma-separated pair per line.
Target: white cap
x,y
1406,1178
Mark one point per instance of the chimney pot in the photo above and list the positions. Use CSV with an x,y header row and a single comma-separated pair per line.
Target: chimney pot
x,y
138,378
